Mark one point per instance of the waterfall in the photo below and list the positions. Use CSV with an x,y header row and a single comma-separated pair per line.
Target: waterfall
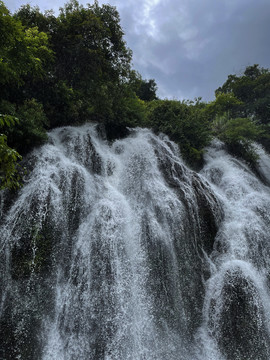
x,y
236,306
119,251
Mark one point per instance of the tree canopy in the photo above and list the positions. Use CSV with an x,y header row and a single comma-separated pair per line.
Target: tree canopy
x,y
63,70
252,88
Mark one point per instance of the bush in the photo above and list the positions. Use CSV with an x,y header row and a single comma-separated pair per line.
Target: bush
x,y
239,135
184,123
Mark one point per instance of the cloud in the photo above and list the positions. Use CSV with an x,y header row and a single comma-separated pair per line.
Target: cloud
x,y
190,47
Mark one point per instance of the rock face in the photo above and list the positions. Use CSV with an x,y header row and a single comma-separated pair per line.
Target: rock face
x,y
242,323
119,251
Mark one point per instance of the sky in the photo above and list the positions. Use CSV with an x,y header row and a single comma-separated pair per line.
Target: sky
x,y
188,46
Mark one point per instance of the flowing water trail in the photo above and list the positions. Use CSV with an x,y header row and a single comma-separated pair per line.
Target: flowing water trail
x,y
119,251
236,309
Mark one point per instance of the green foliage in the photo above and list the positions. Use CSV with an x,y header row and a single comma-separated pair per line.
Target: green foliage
x,y
76,67
253,90
144,89
90,74
224,103
61,70
240,130
90,51
239,135
32,17
185,124
129,110
8,120
9,176
23,51
30,131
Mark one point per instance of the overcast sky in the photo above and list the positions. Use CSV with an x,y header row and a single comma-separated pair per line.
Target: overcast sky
x,y
189,46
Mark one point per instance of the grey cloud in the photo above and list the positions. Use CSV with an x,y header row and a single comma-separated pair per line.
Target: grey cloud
x,y
197,44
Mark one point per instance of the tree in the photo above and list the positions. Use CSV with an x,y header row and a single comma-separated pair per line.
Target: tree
x,y
252,88
91,65
22,50
224,103
147,90
32,17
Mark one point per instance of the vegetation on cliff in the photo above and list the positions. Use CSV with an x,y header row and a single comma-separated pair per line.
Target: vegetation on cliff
x,y
76,67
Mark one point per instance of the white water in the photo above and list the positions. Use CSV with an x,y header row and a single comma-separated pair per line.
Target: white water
x,y
137,269
240,263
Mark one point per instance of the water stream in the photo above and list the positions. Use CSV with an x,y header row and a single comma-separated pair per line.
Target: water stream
x,y
119,251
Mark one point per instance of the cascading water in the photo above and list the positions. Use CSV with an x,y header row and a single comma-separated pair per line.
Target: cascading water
x,y
236,312
119,251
